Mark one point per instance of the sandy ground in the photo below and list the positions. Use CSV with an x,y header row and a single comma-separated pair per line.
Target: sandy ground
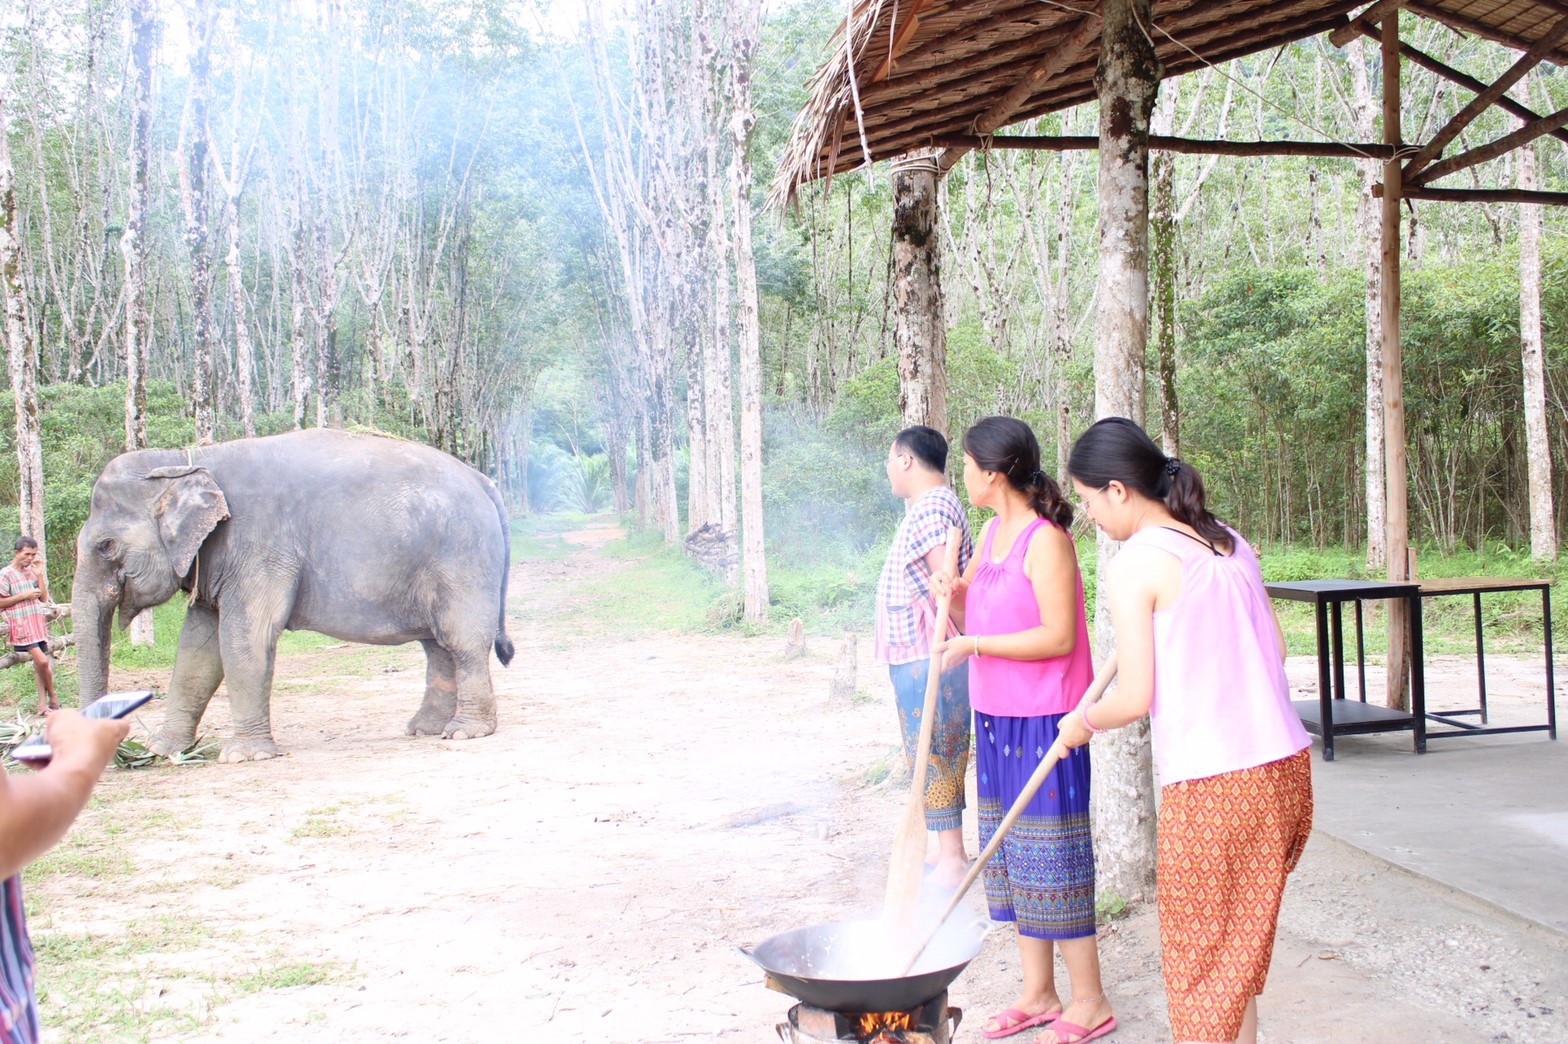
x,y
586,873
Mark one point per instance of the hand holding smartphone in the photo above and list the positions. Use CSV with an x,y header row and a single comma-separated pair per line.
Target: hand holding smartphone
x,y
37,752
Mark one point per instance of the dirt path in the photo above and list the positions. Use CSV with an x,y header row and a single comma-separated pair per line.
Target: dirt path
x,y
585,873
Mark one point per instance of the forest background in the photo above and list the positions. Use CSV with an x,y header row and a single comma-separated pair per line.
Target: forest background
x,y
530,239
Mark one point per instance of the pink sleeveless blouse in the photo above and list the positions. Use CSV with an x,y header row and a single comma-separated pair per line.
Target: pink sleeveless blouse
x,y
1001,601
1221,701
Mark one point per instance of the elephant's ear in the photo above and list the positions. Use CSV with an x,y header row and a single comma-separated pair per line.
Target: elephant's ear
x,y
187,512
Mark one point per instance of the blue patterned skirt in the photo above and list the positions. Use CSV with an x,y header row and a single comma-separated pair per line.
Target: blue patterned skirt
x,y
1042,876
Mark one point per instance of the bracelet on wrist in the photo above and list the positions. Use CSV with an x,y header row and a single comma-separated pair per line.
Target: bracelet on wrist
x,y
1083,712
976,637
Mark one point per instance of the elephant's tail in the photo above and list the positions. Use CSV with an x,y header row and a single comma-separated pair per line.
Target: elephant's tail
x,y
504,649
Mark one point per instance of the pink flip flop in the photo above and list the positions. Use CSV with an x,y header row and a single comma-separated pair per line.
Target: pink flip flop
x,y
1014,1021
1061,1029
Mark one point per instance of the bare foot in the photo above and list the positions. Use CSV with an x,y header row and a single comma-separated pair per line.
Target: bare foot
x,y
948,874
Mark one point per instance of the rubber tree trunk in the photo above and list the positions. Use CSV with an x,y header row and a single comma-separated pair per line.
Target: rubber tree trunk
x,y
1543,530
919,332
133,246
1127,80
1398,680
22,360
1367,221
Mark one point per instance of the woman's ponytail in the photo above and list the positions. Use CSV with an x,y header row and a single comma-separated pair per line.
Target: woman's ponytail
x,y
1045,497
1185,501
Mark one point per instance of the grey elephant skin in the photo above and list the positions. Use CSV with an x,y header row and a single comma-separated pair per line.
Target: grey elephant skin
x,y
361,537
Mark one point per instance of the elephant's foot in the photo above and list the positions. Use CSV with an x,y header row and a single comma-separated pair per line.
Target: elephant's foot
x,y
237,749
429,722
166,744
467,728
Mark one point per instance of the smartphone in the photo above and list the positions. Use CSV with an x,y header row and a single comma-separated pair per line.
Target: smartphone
x,y
36,752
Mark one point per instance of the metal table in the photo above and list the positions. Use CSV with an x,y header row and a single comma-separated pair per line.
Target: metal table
x,y
1331,714
1476,586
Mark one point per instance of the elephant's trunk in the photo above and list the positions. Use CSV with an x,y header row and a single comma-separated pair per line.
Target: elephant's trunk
x,y
92,610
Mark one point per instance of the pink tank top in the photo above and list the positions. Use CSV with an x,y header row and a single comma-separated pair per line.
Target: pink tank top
x,y
1221,702
1001,601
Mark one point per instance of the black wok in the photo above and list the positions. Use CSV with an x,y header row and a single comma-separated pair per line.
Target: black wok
x,y
830,965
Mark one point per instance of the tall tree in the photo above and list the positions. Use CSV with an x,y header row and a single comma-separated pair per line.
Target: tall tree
x,y
133,245
21,358
745,16
919,325
1538,453
1127,80
194,200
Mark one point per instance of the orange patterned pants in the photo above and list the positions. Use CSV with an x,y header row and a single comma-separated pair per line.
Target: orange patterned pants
x,y
1225,845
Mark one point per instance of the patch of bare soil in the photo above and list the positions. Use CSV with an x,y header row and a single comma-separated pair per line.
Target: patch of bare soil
x,y
585,874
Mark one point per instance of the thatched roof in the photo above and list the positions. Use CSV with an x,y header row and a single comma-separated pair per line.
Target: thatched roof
x,y
925,69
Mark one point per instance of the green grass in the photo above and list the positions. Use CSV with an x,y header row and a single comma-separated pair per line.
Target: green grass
x,y
654,590
285,976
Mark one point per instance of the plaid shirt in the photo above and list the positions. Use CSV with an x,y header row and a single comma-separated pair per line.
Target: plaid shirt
x,y
28,620
905,610
18,1009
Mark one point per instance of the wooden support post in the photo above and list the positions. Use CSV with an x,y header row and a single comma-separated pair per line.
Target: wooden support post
x,y
1127,81
919,330
1398,661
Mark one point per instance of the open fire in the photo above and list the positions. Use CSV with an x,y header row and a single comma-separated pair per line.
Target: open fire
x,y
930,1023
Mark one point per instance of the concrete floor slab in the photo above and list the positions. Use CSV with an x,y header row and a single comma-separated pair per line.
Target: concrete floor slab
x,y
1487,816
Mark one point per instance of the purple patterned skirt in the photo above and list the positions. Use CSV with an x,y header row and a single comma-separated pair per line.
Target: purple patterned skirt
x,y
1042,876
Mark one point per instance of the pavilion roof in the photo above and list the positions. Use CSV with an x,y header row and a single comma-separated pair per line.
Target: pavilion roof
x,y
928,69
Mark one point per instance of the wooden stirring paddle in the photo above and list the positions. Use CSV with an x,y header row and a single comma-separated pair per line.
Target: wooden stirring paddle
x,y
1102,680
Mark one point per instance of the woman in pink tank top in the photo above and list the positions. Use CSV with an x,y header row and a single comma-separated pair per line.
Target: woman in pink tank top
x,y
1235,772
1020,605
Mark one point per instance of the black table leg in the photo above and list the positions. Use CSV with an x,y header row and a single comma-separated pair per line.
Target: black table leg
x,y
1361,653
1325,698
1551,681
1337,636
1480,657
1417,675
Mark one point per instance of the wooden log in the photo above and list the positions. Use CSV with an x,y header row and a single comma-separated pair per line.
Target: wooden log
x,y
1507,143
1483,101
1166,143
1440,195
56,643
1370,19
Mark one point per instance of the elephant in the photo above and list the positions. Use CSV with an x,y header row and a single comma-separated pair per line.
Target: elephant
x,y
365,538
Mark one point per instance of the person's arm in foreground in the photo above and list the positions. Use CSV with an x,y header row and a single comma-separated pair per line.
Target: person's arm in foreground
x,y
36,810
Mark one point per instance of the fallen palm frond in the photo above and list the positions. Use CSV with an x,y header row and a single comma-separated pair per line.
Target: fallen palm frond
x,y
134,755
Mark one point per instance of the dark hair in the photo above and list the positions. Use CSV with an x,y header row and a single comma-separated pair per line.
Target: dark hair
x,y
23,541
1008,445
927,445
1116,449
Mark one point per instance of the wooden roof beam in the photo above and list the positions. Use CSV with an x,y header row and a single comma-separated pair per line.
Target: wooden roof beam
x,y
1439,195
903,32
1483,101
1366,22
1166,143
1507,143
1469,83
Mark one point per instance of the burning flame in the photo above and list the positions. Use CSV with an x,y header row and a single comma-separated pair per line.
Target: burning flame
x,y
878,1022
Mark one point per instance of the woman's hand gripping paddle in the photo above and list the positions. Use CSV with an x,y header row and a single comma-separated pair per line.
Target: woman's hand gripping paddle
x,y
909,840
1102,679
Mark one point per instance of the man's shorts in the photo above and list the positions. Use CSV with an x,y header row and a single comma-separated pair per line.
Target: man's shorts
x,y
29,648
